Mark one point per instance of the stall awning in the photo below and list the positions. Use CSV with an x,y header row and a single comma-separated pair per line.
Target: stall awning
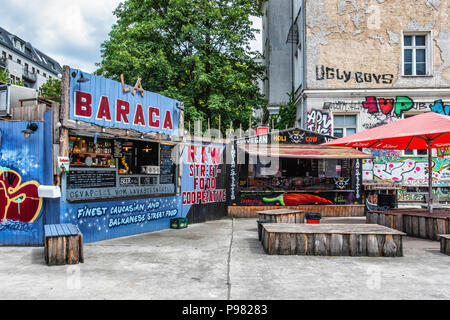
x,y
303,151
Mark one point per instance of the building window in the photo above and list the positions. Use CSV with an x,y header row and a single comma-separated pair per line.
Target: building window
x,y
45,75
344,125
9,57
416,55
19,62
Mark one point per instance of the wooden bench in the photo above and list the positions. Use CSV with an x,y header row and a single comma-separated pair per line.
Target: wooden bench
x,y
283,215
445,243
63,244
332,240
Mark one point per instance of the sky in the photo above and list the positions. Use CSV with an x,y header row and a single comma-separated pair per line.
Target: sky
x,y
69,31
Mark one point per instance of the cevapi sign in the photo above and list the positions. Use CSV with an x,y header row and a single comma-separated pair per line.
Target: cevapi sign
x,y
109,103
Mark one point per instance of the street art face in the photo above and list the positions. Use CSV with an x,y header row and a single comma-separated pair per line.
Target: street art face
x,y
18,202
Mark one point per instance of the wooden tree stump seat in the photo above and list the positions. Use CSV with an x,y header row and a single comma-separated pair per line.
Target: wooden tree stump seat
x,y
445,243
283,215
332,240
63,244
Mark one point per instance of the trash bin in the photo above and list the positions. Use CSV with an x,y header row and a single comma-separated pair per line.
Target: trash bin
x,y
313,217
260,227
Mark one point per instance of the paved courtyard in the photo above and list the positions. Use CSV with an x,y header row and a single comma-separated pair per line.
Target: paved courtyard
x,y
222,260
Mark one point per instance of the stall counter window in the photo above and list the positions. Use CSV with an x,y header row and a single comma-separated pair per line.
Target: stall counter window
x,y
111,168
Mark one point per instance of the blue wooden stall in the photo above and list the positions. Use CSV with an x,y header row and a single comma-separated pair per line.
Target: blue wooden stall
x,y
25,164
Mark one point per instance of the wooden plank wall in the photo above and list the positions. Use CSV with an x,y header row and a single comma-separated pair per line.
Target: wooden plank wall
x,y
30,113
325,211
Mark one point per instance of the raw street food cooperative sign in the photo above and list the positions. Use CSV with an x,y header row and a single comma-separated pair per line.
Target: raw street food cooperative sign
x,y
108,103
202,165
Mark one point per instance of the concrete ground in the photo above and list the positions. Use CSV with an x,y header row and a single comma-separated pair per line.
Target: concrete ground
x,y
222,260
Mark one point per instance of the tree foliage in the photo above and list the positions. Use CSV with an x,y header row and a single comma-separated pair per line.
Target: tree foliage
x,y
286,117
6,78
51,89
195,51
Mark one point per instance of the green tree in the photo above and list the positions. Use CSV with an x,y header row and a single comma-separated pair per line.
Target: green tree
x,y
51,89
195,51
286,117
6,78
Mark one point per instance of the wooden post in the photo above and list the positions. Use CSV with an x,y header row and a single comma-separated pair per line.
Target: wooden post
x,y
64,112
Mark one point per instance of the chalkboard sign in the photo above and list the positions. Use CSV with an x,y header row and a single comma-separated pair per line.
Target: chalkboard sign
x,y
166,165
128,181
146,181
91,179
118,149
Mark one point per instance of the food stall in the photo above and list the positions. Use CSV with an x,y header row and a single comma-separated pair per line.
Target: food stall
x,y
289,168
118,145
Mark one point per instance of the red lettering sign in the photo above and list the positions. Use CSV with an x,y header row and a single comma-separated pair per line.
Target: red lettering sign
x,y
151,121
139,116
83,104
122,111
103,109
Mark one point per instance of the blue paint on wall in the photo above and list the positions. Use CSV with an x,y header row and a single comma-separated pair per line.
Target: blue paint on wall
x,y
112,219
23,159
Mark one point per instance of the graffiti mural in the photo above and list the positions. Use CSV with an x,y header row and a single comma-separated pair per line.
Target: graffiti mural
x,y
281,198
388,106
18,201
439,107
319,121
412,171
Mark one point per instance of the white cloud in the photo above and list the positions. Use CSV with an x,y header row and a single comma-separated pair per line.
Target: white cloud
x,y
69,31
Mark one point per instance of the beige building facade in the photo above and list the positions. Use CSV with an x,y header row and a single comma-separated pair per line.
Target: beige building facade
x,y
363,63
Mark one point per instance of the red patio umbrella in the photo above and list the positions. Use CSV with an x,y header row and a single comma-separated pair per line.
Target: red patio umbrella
x,y
425,131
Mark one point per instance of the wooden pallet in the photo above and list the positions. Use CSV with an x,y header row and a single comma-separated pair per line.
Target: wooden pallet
x,y
63,244
332,240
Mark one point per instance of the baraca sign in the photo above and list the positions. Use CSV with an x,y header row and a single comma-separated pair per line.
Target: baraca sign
x,y
104,102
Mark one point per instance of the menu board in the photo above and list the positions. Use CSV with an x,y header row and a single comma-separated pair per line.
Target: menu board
x,y
91,179
128,181
167,166
146,181
118,149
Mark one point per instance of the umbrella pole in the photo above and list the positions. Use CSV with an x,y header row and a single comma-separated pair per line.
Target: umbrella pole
x,y
430,179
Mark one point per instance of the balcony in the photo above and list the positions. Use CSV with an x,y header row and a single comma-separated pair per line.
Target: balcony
x,y
29,76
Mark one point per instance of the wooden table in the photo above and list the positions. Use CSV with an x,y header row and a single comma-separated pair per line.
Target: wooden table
x,y
445,243
332,240
283,215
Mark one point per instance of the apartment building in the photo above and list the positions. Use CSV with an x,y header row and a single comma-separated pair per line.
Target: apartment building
x,y
358,64
25,62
